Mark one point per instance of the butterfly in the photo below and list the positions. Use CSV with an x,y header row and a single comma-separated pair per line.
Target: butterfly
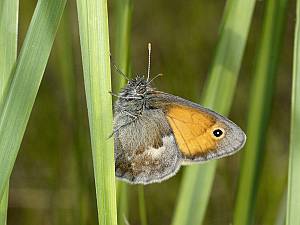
x,y
156,132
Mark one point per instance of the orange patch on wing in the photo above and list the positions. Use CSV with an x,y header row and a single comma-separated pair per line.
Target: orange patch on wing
x,y
192,129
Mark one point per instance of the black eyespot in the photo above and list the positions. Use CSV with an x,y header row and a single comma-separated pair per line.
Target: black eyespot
x,y
218,132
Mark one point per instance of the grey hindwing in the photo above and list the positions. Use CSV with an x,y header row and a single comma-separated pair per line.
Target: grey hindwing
x,y
145,149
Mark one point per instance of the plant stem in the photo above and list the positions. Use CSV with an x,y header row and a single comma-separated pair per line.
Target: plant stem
x,y
218,95
259,109
293,199
94,39
142,205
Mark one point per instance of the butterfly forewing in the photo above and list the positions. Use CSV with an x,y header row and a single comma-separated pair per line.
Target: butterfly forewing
x,y
200,133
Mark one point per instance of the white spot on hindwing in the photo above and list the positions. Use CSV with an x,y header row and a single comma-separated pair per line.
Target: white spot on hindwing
x,y
157,152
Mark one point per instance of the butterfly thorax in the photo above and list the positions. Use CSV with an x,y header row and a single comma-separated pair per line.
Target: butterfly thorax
x,y
135,96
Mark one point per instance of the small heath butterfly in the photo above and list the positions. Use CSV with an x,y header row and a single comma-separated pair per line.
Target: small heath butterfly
x,y
156,132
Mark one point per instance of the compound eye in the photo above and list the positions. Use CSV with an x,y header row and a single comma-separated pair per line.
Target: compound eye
x,y
218,133
141,89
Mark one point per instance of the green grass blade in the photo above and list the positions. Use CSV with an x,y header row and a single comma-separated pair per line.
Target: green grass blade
x,y
122,200
259,109
281,211
21,94
123,37
122,56
94,39
9,11
4,206
198,179
142,205
293,201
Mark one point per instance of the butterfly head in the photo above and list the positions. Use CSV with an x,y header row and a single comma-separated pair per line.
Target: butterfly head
x,y
136,88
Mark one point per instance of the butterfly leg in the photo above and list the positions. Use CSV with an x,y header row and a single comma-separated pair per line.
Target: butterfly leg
x,y
124,125
113,94
129,114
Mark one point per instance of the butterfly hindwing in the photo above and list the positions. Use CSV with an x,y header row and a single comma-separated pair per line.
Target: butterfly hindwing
x,y
142,156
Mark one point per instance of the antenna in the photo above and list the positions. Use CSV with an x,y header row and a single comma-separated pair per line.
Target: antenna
x,y
117,68
149,60
158,75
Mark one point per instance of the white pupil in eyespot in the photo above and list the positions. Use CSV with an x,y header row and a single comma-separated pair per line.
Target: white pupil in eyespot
x,y
218,132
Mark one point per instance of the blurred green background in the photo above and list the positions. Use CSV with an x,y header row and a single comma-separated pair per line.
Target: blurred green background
x,y
52,181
